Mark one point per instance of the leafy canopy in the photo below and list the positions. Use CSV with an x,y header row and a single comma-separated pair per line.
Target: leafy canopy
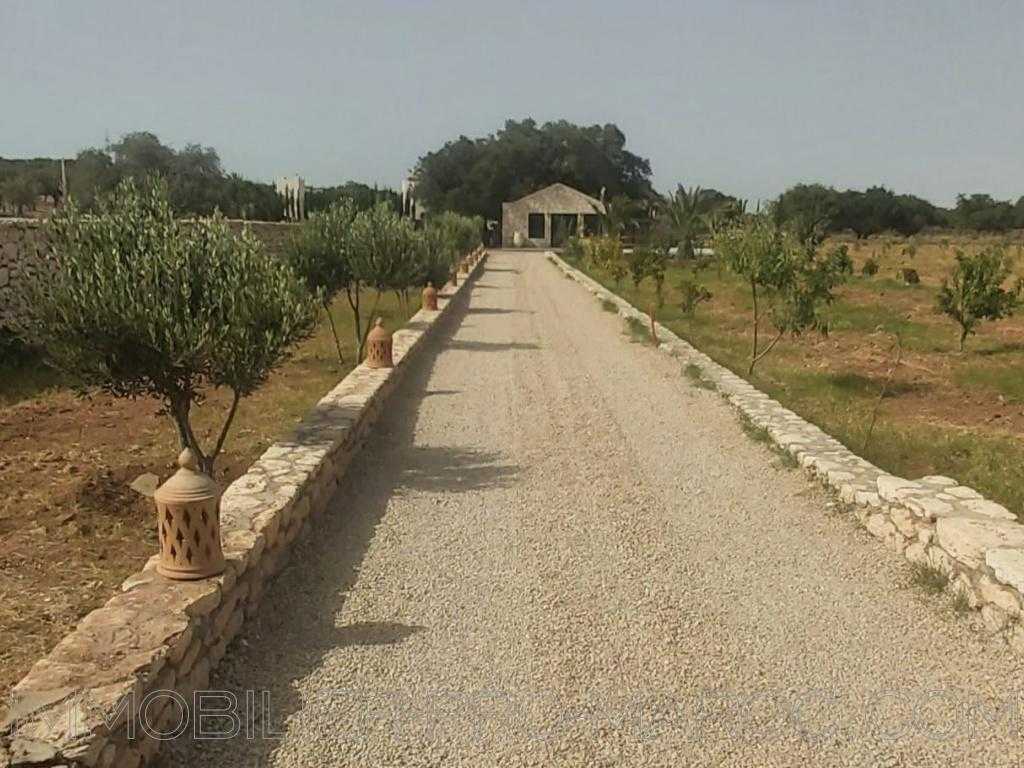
x,y
475,176
974,291
140,304
787,272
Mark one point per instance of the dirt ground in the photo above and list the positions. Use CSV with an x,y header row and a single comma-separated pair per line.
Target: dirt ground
x,y
71,528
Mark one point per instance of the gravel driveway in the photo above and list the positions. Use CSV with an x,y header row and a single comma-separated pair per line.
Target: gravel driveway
x,y
556,551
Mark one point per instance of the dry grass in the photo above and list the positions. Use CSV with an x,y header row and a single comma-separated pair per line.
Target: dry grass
x,y
70,528
944,413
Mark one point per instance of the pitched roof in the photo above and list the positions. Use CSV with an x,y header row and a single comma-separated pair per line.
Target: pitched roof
x,y
561,197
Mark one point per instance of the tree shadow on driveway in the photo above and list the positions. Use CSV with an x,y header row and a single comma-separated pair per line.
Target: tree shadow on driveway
x,y
301,618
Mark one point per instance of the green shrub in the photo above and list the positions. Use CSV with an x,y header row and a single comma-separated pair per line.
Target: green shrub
x,y
692,295
784,271
910,276
604,252
870,267
974,290
574,250
649,262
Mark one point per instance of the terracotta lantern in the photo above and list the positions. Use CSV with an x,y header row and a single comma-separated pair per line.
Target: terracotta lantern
x,y
188,522
378,347
430,297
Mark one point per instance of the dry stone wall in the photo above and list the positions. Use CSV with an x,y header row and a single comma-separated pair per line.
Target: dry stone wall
x,y
151,647
20,241
932,521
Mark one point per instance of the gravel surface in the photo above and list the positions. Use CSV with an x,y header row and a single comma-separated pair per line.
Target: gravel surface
x,y
556,551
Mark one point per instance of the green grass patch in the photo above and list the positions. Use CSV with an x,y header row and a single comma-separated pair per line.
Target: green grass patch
x,y
786,459
696,377
960,604
754,432
609,306
928,577
638,330
1003,379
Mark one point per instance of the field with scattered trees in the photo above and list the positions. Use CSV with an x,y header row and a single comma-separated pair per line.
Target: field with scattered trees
x,y
875,357
153,334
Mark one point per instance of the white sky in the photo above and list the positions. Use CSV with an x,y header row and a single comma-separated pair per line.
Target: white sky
x,y
748,96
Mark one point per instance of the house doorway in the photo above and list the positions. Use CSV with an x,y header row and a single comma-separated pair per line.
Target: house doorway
x,y
563,226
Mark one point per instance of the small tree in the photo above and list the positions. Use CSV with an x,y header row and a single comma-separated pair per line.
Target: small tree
x,y
788,273
21,192
974,291
379,240
650,261
320,254
139,304
605,252
435,257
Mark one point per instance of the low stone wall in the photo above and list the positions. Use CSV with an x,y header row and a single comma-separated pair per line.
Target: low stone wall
x,y
22,243
144,654
934,521
19,241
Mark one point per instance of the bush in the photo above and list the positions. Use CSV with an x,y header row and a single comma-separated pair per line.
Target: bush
x,y
605,253
141,305
974,292
784,271
692,295
649,262
870,267
574,250
910,276
462,233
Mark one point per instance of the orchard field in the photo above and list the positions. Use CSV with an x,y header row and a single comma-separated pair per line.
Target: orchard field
x,y
943,412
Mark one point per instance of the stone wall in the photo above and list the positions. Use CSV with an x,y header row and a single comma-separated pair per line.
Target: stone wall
x,y
977,544
159,639
22,242
19,241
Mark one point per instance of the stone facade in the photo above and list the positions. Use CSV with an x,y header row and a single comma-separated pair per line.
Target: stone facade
x,y
932,521
158,639
22,245
552,200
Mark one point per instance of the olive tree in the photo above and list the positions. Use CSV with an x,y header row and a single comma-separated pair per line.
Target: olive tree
x,y
460,233
974,290
379,247
650,260
320,253
786,273
139,304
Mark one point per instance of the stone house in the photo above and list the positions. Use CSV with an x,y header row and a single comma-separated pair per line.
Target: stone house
x,y
548,217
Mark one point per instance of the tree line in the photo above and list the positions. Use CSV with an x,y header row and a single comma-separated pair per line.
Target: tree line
x,y
877,210
476,175
197,183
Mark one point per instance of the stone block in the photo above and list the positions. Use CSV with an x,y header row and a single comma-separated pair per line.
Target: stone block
x,y
189,659
916,554
993,618
967,539
890,485
1002,597
880,527
1008,566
